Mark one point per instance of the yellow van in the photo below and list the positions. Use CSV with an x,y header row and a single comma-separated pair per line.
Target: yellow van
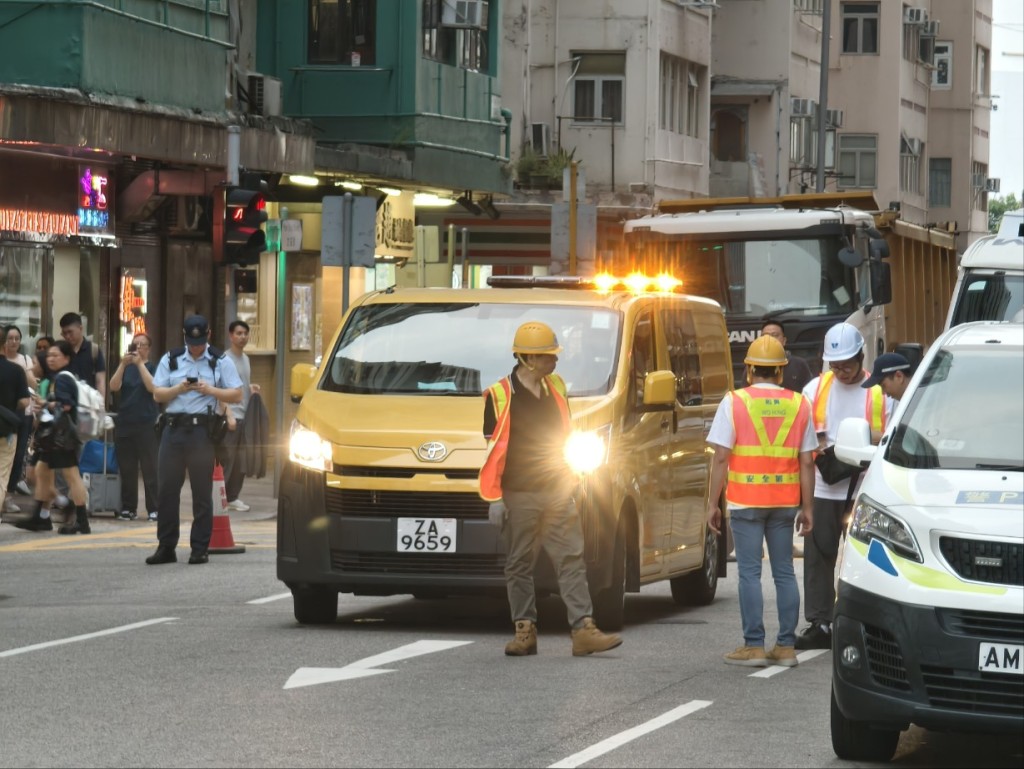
x,y
379,496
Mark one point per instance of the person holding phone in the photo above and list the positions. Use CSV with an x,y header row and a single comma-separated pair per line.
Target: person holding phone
x,y
134,438
192,381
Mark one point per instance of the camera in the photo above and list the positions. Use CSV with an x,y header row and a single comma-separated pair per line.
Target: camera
x,y
192,380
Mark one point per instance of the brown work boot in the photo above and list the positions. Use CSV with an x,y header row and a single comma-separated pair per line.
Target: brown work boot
x,y
525,642
587,639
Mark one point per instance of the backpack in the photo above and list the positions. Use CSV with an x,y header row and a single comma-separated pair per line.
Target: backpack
x,y
91,419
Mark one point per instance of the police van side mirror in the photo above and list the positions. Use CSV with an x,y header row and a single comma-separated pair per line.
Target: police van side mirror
x,y
853,442
303,377
659,391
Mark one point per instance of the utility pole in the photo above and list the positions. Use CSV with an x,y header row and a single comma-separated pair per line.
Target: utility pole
x,y
826,28
572,217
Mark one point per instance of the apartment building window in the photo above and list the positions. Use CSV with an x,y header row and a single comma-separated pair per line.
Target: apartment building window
x,y
438,41
940,182
911,42
803,144
858,160
678,110
979,175
472,47
598,88
942,75
981,71
910,165
692,101
729,133
465,47
860,27
342,31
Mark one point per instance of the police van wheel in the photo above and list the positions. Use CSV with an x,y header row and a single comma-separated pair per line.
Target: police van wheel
x,y
856,741
610,602
315,605
698,588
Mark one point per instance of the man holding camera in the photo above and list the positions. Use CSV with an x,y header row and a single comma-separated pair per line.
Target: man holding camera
x,y
191,381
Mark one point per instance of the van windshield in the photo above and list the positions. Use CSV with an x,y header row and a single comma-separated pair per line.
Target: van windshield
x,y
967,413
462,348
993,296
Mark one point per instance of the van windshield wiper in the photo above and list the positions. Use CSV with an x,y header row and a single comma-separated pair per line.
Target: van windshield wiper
x,y
987,466
784,310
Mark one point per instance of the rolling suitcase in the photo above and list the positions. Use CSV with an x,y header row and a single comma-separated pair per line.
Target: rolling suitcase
x,y
101,475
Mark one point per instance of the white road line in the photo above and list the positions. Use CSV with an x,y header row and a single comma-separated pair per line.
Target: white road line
x,y
774,670
270,598
620,739
86,637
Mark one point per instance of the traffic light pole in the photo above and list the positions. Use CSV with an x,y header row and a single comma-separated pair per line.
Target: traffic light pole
x,y
234,154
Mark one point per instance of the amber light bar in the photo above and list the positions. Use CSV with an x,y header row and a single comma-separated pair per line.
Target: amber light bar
x,y
635,283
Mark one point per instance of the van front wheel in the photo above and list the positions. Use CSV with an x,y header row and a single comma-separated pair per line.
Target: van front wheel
x,y
610,602
315,605
698,588
856,741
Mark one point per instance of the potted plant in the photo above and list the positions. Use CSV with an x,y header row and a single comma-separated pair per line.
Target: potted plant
x,y
556,163
529,166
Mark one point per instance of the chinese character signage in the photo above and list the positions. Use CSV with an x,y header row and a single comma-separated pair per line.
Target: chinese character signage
x,y
95,201
133,306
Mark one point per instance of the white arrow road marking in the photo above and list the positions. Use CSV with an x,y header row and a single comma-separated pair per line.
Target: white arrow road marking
x,y
605,746
270,598
774,670
367,667
86,637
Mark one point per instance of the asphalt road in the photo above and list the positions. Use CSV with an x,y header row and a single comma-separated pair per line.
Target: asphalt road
x,y
107,662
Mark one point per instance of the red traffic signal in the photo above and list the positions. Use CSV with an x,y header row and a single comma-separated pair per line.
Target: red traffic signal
x,y
244,212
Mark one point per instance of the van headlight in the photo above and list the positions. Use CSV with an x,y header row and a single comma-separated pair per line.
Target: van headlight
x,y
585,451
872,521
308,449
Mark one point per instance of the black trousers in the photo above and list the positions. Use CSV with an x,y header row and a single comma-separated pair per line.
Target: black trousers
x,y
186,448
136,448
228,457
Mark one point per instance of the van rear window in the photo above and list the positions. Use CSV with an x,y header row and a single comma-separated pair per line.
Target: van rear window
x,y
459,349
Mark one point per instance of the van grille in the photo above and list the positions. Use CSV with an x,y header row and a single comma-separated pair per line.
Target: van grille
x,y
355,471
885,660
463,565
984,624
998,694
398,504
963,555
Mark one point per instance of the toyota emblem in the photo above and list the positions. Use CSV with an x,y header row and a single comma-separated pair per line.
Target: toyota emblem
x,y
432,451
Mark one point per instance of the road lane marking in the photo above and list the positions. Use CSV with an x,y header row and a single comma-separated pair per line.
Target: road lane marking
x,y
620,739
86,637
367,667
774,670
270,598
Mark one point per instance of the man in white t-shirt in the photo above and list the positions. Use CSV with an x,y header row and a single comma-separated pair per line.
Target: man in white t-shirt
x,y
238,335
834,395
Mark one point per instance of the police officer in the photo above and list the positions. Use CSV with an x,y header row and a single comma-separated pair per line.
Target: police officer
x,y
190,380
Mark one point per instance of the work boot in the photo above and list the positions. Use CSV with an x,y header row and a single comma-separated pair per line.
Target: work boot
x,y
163,554
525,642
82,520
587,639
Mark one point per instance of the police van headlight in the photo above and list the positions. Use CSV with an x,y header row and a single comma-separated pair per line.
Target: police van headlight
x,y
871,520
587,451
308,449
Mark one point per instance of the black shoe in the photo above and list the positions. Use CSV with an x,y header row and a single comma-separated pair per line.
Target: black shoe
x,y
814,637
162,555
82,523
198,556
34,524
68,528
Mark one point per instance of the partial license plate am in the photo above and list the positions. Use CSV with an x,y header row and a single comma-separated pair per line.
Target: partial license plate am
x,y
1001,658
426,535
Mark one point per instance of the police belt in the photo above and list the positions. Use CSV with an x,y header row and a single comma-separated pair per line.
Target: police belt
x,y
187,420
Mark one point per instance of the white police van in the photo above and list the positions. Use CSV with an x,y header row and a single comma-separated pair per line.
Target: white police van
x,y
929,617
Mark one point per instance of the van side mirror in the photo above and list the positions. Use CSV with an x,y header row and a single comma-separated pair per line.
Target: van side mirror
x,y
853,442
303,376
659,391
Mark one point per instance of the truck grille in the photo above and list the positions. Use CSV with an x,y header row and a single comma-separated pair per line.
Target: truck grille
x,y
463,565
999,694
983,624
398,504
1005,560
885,660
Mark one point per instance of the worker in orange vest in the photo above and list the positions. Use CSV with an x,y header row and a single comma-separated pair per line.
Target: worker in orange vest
x,y
526,478
764,446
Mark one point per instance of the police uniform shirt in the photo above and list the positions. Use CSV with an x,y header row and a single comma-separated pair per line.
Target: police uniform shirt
x,y
192,401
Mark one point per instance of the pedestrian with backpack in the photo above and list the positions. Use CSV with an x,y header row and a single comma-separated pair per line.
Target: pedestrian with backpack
x,y
86,358
57,445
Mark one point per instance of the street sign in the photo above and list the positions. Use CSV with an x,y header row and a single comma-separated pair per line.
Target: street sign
x,y
291,235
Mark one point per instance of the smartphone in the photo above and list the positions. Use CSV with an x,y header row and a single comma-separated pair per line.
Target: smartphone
x,y
192,380
132,347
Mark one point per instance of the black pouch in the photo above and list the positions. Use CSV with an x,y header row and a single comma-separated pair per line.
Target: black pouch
x,y
832,469
159,425
217,427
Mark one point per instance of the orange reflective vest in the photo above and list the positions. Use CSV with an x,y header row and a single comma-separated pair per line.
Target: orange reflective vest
x,y
497,444
874,404
764,465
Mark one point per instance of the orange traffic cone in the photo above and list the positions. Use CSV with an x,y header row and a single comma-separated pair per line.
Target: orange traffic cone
x,y
221,540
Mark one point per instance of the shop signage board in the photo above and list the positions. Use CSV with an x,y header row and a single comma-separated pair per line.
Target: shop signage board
x,y
291,235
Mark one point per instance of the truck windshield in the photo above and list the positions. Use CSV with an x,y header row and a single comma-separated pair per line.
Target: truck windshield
x,y
441,349
937,430
992,296
754,277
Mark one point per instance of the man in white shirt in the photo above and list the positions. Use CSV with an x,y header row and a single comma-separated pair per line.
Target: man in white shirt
x,y
238,335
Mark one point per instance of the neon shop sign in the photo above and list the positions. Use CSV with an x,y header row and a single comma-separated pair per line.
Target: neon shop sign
x,y
93,200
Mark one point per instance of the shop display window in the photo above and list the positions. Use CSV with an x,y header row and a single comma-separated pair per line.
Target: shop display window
x,y
21,290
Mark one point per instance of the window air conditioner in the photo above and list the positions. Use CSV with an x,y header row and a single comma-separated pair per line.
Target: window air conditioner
x,y
468,14
992,185
915,16
978,181
834,118
930,29
264,95
801,107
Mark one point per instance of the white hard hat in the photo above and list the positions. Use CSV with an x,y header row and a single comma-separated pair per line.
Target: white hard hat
x,y
842,342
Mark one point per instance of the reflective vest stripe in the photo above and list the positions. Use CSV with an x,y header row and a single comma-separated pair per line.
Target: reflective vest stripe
x,y
764,471
874,404
764,479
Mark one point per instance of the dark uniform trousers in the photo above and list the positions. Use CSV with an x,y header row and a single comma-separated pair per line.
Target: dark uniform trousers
x,y
185,447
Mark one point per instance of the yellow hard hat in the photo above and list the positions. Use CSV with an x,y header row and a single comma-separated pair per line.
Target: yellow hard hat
x,y
535,338
766,351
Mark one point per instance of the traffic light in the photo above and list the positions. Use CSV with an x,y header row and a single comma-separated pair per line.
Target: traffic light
x,y
244,212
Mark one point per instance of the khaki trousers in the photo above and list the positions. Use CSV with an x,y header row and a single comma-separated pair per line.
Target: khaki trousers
x,y
8,448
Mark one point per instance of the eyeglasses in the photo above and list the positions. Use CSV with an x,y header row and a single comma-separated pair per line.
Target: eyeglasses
x,y
844,368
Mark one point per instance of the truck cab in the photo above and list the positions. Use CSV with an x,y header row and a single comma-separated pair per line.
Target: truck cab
x,y
990,280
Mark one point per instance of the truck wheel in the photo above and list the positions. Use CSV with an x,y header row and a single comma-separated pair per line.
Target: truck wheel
x,y
610,602
856,741
315,605
698,588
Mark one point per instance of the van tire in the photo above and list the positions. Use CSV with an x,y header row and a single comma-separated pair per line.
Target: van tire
x,y
314,605
610,602
698,588
856,741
